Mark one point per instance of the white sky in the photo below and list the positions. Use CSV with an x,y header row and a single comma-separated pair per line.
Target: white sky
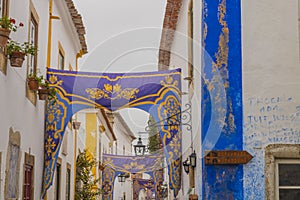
x,y
122,36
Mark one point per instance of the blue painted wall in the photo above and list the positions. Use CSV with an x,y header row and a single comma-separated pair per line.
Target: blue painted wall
x,y
222,96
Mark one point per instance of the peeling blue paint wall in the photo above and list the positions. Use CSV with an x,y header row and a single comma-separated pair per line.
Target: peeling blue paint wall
x,y
222,96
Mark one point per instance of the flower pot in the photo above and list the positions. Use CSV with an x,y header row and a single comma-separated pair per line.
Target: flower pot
x,y
4,36
43,94
33,84
16,59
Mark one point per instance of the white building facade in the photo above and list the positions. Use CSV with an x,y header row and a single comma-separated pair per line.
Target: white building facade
x,y
254,47
22,113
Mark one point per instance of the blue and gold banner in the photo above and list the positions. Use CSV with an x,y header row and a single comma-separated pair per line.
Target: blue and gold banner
x,y
158,93
140,184
133,164
116,164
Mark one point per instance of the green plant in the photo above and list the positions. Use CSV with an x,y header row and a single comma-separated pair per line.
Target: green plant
x,y
86,184
9,23
26,48
36,77
44,85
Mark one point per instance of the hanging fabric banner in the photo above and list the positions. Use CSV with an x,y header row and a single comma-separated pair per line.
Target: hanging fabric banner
x,y
133,164
158,93
142,184
116,164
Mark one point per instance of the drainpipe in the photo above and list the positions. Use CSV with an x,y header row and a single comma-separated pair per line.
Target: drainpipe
x,y
51,17
190,77
190,80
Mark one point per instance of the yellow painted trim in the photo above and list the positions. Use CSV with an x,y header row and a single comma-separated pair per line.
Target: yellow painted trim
x,y
91,136
62,52
75,158
51,17
61,49
78,55
70,67
49,35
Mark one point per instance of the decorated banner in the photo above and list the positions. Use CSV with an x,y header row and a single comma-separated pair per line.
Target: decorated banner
x,y
158,93
133,164
142,184
116,164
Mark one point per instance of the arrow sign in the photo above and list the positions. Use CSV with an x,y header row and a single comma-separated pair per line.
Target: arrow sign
x,y
227,157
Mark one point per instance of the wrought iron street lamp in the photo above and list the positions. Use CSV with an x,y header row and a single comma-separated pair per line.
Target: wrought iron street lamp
x,y
139,148
193,159
122,177
186,166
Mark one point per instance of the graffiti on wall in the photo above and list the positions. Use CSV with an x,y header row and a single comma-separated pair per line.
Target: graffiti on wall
x,y
267,120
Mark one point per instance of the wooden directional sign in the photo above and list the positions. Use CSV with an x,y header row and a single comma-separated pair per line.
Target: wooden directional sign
x,y
227,157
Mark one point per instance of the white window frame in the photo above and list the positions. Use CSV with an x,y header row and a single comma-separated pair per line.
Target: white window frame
x,y
275,152
4,7
1,7
32,40
277,186
61,57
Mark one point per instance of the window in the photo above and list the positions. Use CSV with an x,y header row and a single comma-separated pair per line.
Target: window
x,y
287,179
33,39
58,180
27,182
1,8
61,57
32,59
68,182
4,7
282,171
28,177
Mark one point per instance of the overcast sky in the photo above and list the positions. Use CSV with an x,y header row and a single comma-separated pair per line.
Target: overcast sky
x,y
122,36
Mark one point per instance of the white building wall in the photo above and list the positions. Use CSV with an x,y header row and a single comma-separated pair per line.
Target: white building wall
x,y
179,59
65,33
271,70
123,139
16,110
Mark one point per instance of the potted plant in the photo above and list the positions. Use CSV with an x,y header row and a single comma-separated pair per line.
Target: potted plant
x,y
34,81
17,52
45,91
6,26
